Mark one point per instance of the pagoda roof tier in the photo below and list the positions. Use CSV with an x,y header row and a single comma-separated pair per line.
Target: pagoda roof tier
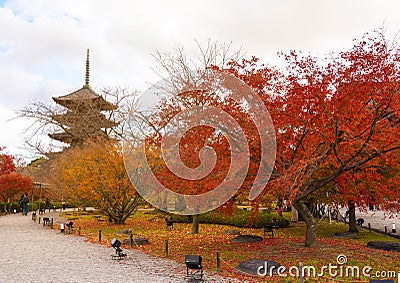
x,y
73,139
64,137
93,118
84,97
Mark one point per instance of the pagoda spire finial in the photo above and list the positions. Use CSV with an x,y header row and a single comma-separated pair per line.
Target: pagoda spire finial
x,y
87,69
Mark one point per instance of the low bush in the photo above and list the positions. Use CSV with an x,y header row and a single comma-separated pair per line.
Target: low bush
x,y
15,206
33,206
40,203
239,218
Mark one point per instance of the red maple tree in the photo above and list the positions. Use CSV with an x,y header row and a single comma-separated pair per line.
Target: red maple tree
x,y
336,120
11,183
192,143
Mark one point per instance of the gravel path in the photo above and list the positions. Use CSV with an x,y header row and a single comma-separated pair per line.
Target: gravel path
x,y
378,219
30,252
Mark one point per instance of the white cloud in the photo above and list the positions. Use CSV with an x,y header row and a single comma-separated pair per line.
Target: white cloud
x,y
17,85
43,42
12,133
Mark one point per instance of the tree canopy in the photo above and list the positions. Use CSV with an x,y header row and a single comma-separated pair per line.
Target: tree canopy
x,y
337,121
94,174
11,182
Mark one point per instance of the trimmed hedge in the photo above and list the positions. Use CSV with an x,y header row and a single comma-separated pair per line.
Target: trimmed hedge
x,y
240,218
33,206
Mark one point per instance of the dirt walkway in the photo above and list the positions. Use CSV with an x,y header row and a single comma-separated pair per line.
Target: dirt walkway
x,y
30,252
378,219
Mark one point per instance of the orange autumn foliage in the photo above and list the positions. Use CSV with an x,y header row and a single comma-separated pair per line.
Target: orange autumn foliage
x,y
95,175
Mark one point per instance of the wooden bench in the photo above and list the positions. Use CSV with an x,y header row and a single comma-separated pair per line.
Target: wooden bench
x,y
194,267
46,221
98,218
268,231
275,223
169,222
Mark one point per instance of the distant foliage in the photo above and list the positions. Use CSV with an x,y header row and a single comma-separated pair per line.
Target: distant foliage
x,y
11,183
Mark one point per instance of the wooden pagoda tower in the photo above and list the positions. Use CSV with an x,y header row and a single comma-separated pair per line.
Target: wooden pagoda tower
x,y
84,116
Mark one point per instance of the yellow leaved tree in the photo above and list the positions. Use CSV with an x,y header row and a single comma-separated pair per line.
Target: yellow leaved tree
x,y
94,174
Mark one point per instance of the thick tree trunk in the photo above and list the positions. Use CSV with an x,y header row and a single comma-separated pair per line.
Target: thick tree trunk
x,y
311,224
352,217
180,204
195,224
295,215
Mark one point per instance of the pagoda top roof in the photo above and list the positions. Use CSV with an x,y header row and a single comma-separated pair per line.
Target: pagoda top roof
x,y
85,96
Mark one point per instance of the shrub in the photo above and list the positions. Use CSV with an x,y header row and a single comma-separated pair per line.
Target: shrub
x,y
15,205
33,206
40,203
240,218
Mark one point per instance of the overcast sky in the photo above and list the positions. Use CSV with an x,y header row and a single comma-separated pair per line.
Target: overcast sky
x,y
43,42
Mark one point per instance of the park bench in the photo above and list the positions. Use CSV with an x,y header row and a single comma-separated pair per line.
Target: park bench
x,y
269,229
169,222
99,218
194,268
46,221
275,222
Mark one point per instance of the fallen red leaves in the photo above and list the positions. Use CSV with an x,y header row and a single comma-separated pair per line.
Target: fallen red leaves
x,y
287,247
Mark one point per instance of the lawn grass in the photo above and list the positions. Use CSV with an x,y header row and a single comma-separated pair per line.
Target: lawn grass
x,y
286,247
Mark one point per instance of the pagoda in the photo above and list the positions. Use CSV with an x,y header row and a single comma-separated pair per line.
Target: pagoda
x,y
83,117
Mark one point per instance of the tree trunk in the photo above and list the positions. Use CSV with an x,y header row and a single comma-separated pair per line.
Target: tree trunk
x,y
352,217
119,221
311,224
180,204
295,215
195,224
116,218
